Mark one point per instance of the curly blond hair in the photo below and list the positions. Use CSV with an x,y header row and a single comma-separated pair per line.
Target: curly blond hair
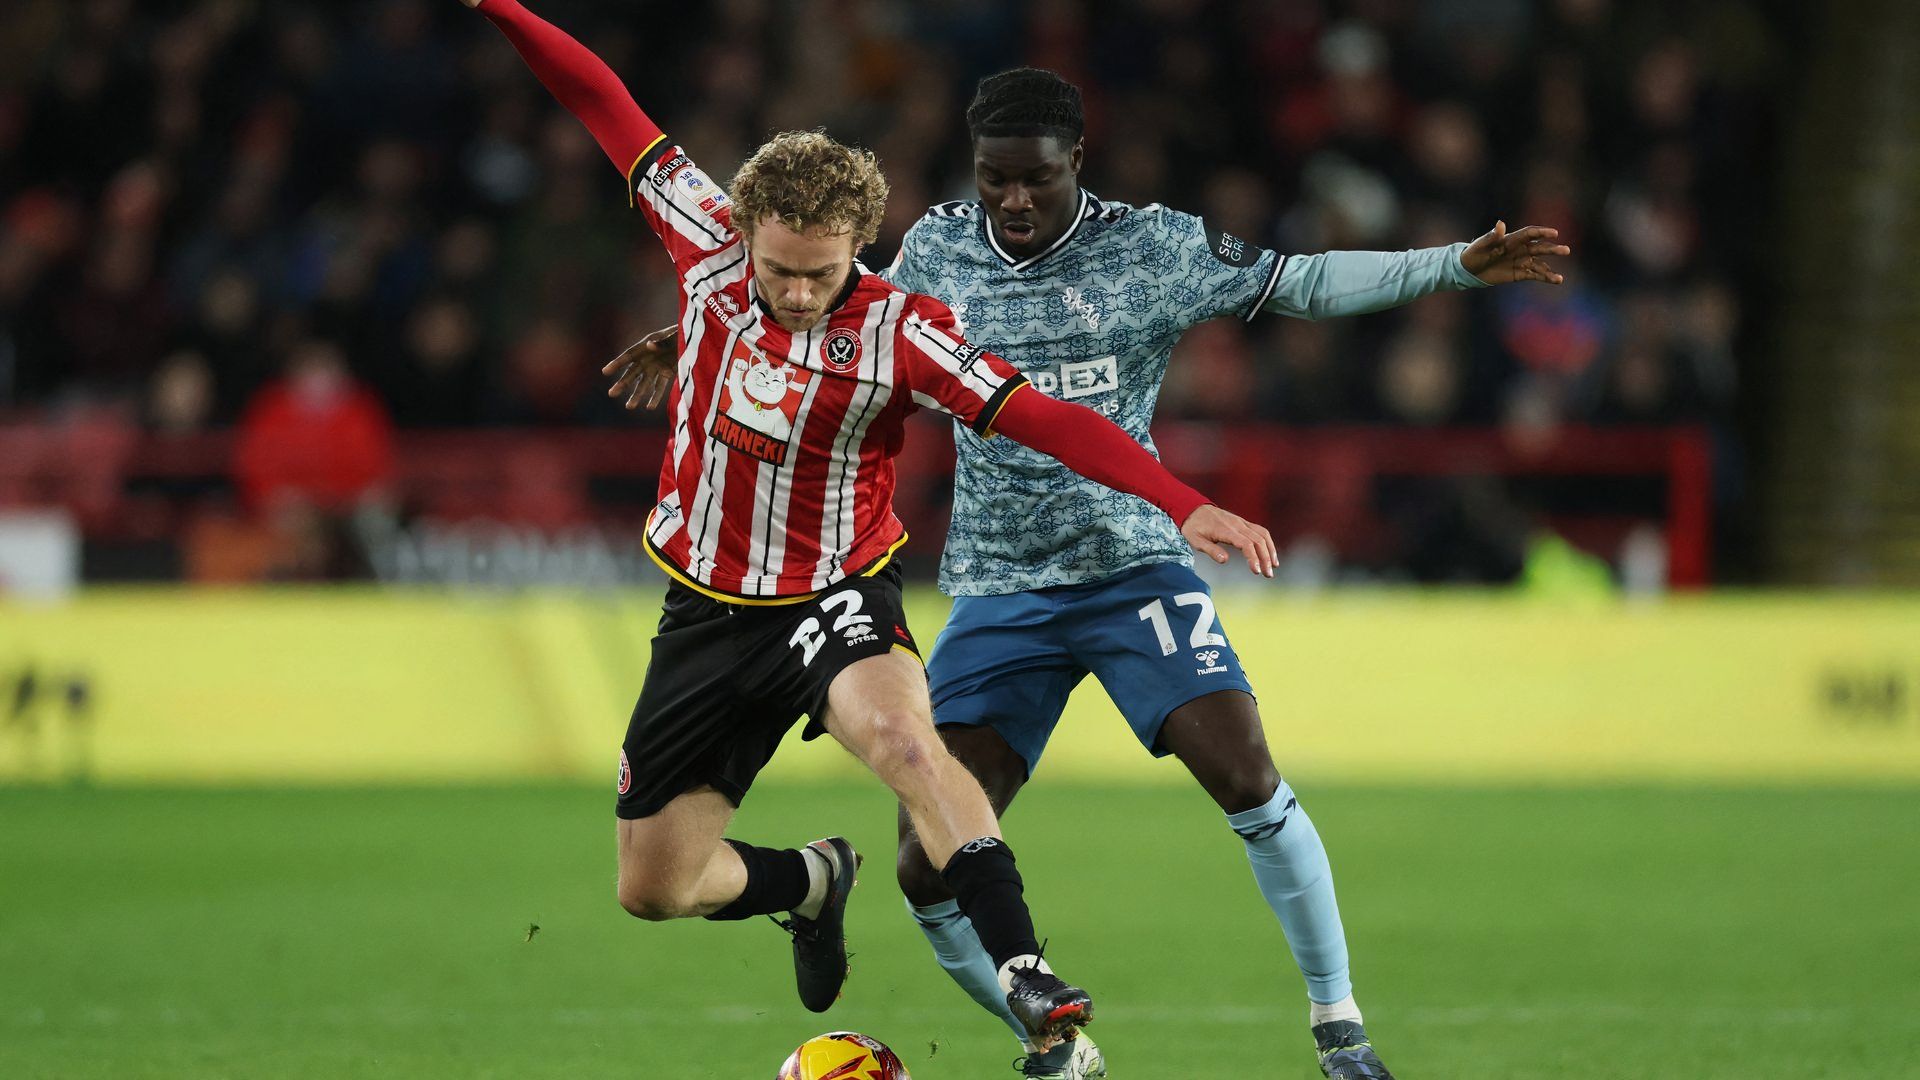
x,y
806,180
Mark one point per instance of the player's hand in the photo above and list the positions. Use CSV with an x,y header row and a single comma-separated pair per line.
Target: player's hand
x,y
1501,257
644,370
1212,531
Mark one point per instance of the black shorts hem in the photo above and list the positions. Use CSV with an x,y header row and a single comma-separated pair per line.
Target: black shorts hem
x,y
641,809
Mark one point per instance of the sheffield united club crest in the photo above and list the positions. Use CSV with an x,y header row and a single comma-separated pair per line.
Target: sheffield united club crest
x,y
840,352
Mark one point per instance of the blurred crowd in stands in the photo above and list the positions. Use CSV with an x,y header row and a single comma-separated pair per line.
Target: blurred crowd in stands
x,y
333,219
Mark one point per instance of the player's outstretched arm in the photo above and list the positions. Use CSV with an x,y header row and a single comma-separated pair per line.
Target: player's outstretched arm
x,y
1335,284
1097,449
579,80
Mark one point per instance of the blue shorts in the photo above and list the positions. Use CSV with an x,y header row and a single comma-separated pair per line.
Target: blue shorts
x,y
1149,634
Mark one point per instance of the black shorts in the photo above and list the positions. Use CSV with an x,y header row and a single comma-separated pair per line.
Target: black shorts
x,y
727,681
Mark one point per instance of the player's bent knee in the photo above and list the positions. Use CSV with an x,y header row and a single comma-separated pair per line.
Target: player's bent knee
x,y
652,907
1240,784
1254,785
903,749
654,899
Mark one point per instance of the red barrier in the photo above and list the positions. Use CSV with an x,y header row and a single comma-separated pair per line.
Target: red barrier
x,y
1296,481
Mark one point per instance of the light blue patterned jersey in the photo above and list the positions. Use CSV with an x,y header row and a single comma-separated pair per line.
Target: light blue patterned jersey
x,y
1093,320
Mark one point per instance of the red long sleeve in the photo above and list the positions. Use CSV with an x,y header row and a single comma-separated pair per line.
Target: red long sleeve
x,y
580,81
1096,448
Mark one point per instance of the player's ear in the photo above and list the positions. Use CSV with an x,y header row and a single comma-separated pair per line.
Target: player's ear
x,y
1076,155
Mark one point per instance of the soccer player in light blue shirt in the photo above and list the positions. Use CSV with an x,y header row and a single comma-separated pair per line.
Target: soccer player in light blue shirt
x,y
1055,577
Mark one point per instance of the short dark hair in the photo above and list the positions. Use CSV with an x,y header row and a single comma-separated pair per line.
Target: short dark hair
x,y
1026,102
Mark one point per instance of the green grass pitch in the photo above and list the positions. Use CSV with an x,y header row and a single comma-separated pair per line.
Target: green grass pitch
x,y
1595,933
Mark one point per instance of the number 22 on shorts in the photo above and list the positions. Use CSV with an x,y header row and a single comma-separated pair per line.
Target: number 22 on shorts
x,y
809,637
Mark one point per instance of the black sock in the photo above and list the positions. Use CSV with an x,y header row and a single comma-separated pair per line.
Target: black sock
x,y
985,881
776,881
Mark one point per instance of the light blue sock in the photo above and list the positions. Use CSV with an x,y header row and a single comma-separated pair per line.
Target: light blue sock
x,y
958,948
1290,866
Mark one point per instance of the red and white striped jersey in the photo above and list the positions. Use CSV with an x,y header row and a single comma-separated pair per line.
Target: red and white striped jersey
x,y
778,478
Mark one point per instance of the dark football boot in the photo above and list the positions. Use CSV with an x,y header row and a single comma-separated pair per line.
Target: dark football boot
x,y
820,943
1050,1010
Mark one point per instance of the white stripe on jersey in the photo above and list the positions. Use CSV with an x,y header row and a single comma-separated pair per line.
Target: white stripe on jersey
x,y
780,479
709,508
840,501
704,278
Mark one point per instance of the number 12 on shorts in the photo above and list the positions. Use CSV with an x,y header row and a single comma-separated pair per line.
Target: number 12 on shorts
x,y
1202,636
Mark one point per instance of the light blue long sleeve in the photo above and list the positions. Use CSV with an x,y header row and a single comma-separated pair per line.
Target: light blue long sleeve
x,y
1337,283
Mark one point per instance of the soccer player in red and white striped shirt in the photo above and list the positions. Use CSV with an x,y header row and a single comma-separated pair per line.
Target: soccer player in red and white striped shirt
x,y
796,370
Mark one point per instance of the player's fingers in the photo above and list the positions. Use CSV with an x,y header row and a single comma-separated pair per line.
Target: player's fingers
x,y
1243,538
624,381
1256,556
657,389
1251,550
1211,550
1273,550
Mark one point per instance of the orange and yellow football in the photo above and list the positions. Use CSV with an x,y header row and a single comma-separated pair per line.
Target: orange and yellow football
x,y
843,1055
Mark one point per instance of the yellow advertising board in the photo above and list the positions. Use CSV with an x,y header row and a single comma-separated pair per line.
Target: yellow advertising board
x,y
321,686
